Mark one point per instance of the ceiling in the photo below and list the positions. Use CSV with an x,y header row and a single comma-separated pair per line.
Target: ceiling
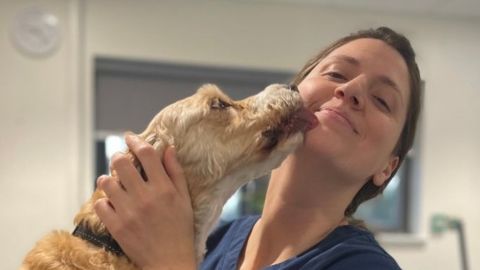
x,y
445,8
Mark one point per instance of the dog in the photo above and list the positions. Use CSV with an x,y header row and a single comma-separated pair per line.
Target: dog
x,y
221,145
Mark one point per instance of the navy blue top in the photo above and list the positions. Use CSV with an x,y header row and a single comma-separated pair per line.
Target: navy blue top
x,y
347,247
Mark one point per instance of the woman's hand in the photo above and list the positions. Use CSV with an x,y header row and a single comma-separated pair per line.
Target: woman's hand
x,y
151,220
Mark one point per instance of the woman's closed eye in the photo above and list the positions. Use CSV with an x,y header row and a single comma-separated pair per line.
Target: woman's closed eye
x,y
335,76
382,102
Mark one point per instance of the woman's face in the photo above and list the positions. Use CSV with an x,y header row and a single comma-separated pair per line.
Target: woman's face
x,y
359,93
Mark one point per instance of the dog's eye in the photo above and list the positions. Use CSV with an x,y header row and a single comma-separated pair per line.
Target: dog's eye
x,y
219,104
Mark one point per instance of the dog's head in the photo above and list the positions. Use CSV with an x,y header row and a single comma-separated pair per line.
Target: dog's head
x,y
222,143
216,136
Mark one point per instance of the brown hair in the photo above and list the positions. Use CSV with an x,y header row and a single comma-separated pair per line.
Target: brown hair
x,y
402,45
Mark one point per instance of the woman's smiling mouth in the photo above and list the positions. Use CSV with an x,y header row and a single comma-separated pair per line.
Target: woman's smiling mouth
x,y
339,116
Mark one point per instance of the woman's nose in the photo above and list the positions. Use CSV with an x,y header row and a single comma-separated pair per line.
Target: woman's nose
x,y
352,93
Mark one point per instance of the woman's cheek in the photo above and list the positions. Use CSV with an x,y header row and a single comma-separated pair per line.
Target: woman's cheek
x,y
305,89
315,92
387,135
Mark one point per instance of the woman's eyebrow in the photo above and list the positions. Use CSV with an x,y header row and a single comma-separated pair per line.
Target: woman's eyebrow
x,y
346,58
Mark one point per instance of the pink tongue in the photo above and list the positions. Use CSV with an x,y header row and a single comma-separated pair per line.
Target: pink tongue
x,y
305,120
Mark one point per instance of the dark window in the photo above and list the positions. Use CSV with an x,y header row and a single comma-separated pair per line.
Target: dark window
x,y
129,93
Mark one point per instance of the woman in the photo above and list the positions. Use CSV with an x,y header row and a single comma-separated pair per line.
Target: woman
x,y
365,92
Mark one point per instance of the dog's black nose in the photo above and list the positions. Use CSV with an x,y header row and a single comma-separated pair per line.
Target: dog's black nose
x,y
293,87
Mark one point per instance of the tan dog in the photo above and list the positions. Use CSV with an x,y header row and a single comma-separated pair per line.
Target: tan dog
x,y
221,145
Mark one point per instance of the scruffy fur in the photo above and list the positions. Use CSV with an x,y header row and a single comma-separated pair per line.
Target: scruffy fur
x,y
221,144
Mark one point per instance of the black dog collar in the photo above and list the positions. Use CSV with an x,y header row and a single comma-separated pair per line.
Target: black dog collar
x,y
103,240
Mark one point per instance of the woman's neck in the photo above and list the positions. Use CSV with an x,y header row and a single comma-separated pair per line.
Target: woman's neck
x,y
301,208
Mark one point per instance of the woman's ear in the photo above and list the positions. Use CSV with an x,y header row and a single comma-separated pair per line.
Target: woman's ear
x,y
380,177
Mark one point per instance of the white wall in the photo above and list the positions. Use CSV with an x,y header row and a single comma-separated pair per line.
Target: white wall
x,y
39,171
46,121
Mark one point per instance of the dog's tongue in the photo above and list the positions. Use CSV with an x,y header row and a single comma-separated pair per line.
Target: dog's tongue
x,y
304,120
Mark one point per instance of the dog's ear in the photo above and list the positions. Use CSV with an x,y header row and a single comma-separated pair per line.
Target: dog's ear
x,y
214,96
211,90
208,88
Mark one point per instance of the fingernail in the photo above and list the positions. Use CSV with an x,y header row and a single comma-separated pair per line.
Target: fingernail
x,y
132,138
100,179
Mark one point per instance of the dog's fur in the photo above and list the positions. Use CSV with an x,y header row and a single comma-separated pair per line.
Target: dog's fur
x,y
220,143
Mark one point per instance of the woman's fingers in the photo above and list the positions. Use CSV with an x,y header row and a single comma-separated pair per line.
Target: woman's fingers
x,y
175,170
106,213
152,221
126,172
167,172
112,188
148,157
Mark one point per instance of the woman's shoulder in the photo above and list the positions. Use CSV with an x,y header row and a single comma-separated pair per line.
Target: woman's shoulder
x,y
225,243
230,229
349,236
348,247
